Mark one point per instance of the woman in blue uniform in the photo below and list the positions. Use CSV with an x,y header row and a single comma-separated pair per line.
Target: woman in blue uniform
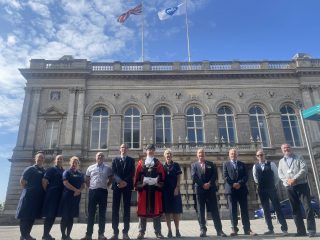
x,y
73,181
30,203
172,203
53,186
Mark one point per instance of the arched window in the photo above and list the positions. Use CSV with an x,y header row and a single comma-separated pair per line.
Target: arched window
x,y
290,126
99,129
258,125
132,127
226,124
163,126
194,125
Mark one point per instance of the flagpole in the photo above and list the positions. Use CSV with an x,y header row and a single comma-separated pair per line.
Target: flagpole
x,y
187,27
142,33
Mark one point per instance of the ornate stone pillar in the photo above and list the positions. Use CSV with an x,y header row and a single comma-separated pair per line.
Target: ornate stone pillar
x,y
312,127
33,118
115,132
79,117
147,128
24,119
242,122
70,116
210,127
275,129
178,127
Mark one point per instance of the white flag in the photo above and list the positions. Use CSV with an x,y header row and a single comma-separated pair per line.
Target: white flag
x,y
173,11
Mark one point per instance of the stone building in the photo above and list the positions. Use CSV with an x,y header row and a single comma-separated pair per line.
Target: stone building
x,y
77,107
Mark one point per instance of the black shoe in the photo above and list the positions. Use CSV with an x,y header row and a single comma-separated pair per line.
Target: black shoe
x,y
114,237
221,234
49,237
169,235
125,236
178,235
140,235
30,238
159,236
22,238
86,238
300,234
203,234
250,233
311,234
270,232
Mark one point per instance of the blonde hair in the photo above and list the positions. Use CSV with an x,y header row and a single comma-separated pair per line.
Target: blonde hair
x,y
168,150
74,158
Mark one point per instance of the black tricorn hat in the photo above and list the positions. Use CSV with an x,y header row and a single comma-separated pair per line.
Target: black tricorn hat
x,y
150,147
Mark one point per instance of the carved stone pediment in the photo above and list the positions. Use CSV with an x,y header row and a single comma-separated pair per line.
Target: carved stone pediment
x,y
52,112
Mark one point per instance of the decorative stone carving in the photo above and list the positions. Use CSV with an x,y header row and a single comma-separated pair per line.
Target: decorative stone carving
x,y
178,95
163,98
116,95
55,95
147,94
240,93
271,93
209,95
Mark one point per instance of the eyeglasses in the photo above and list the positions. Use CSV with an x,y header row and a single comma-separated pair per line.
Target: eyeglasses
x,y
260,155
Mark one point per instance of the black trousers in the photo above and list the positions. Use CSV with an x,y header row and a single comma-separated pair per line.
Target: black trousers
x,y
208,198
26,227
240,198
66,225
116,200
97,197
271,194
48,223
297,193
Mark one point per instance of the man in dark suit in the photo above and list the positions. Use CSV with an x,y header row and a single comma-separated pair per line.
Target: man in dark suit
x,y
204,176
123,168
236,177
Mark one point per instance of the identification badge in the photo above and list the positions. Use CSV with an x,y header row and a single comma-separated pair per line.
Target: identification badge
x,y
289,171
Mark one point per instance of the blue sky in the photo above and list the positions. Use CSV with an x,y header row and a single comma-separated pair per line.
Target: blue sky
x,y
219,30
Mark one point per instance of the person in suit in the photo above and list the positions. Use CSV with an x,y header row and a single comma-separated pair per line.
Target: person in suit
x,y
236,176
30,204
265,175
53,185
149,180
293,171
123,168
204,176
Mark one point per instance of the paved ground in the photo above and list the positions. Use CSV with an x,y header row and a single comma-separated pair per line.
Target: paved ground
x,y
189,230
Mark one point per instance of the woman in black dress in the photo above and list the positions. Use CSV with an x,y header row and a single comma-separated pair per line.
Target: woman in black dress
x,y
172,203
53,185
73,181
30,204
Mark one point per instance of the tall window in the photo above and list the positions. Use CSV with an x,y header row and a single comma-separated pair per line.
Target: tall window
x,y
132,127
290,126
226,124
99,129
194,125
258,125
51,139
163,125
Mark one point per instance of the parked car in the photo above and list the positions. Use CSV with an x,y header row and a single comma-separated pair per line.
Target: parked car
x,y
287,211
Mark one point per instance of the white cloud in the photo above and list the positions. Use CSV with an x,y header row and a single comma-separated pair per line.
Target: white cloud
x,y
11,40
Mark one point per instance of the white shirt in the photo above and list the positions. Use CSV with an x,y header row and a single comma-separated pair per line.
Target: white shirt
x,y
99,175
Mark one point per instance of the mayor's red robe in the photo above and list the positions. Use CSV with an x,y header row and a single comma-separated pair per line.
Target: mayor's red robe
x,y
149,197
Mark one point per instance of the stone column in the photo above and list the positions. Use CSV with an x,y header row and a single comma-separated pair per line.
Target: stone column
x,y
210,127
147,128
24,119
33,118
79,118
115,132
178,127
311,126
242,125
275,129
70,116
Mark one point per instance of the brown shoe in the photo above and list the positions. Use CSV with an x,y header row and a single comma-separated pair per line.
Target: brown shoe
x,y
140,235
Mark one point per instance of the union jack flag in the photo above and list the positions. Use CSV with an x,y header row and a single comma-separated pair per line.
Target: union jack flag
x,y
135,11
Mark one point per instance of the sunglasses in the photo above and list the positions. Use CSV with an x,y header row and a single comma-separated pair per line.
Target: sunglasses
x,y
260,155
